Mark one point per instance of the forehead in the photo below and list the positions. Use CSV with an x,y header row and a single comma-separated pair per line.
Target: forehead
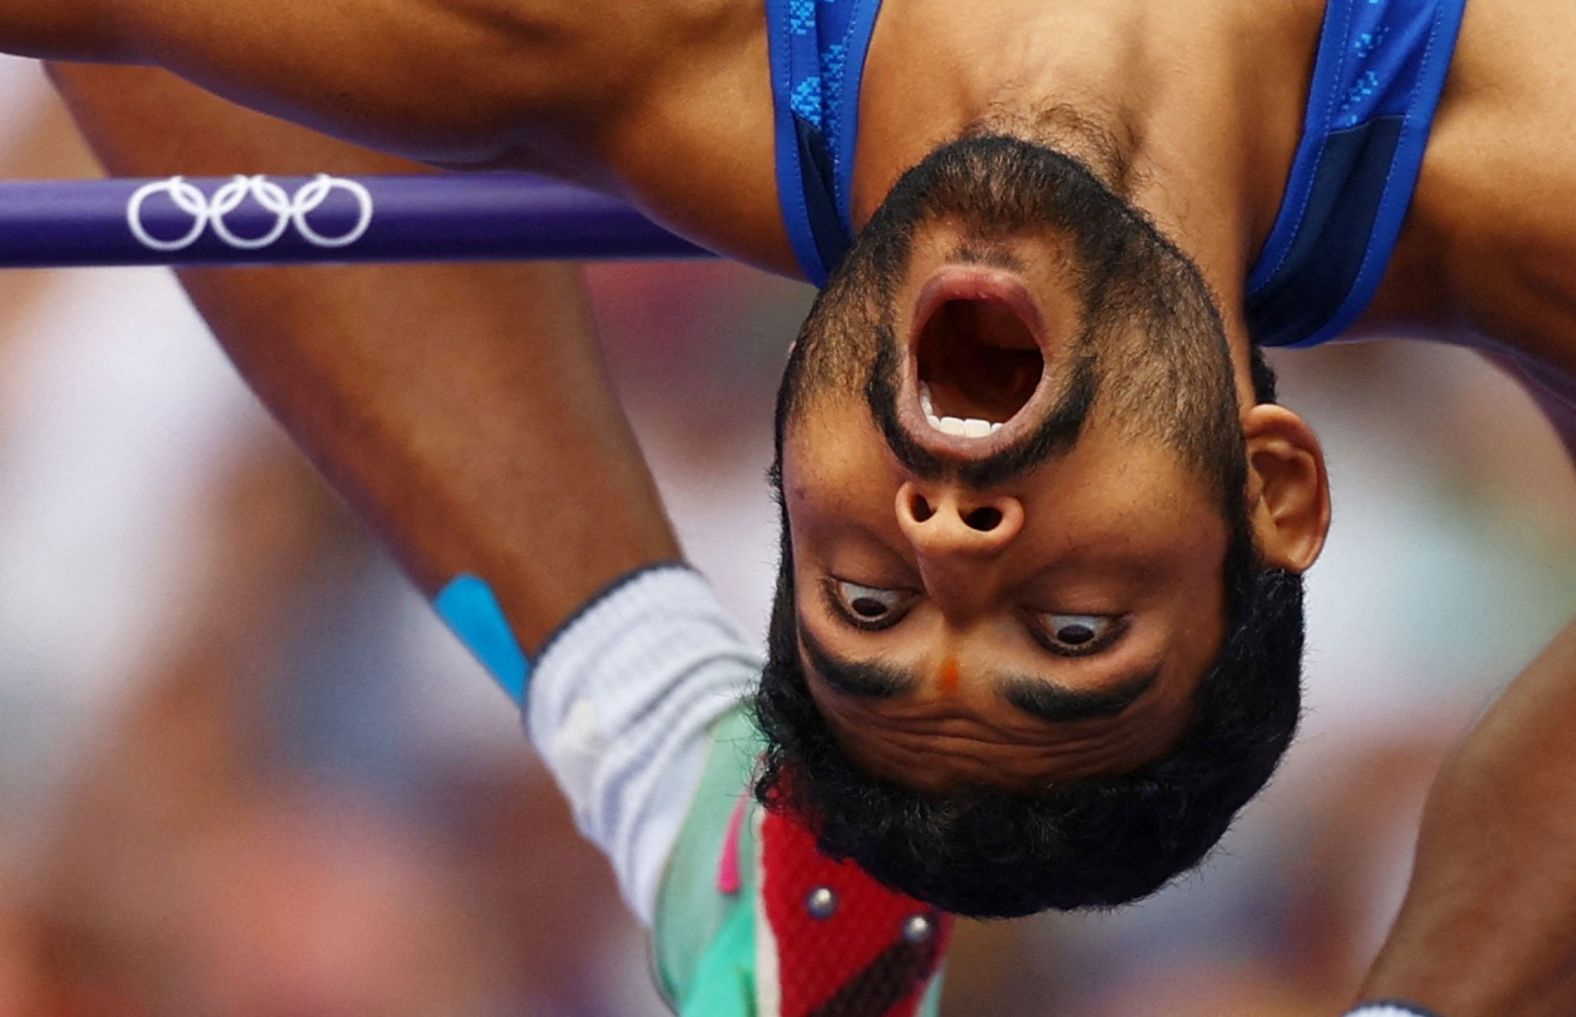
x,y
936,742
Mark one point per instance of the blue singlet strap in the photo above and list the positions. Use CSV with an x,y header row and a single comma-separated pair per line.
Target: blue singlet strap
x,y
818,50
1376,83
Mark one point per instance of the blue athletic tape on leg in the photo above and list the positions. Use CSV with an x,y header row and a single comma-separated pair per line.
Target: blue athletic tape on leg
x,y
471,610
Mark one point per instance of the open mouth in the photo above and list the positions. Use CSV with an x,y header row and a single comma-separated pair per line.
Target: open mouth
x,y
978,350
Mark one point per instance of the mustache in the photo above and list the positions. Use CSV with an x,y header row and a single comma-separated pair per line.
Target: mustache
x,y
1055,435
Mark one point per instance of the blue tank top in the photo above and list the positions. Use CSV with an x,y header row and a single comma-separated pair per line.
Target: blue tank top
x,y
1380,69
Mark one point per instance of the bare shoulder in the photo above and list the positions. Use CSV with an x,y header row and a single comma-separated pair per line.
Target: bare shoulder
x,y
596,51
667,104
442,80
1492,229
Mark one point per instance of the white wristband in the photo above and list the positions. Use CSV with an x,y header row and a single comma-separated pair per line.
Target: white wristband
x,y
1389,1009
621,705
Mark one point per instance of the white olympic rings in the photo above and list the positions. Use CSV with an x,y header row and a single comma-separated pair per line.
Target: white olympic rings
x,y
288,210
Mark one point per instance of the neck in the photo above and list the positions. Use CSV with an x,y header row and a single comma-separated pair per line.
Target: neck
x,y
1188,110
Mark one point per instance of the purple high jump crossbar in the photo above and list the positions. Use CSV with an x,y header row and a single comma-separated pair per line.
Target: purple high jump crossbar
x,y
323,218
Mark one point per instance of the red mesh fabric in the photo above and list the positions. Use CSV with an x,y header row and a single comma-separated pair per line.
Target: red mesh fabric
x,y
857,962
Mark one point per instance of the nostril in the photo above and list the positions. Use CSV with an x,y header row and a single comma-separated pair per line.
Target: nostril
x,y
983,519
921,509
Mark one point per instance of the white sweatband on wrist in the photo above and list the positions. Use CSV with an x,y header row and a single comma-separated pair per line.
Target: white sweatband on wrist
x,y
1389,1008
619,707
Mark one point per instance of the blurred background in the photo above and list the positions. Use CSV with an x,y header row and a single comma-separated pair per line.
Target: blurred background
x,y
243,770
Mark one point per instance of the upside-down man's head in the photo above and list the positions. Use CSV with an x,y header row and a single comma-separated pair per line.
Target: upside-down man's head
x,y
1028,649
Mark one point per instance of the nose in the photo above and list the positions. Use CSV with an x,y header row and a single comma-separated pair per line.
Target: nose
x,y
946,523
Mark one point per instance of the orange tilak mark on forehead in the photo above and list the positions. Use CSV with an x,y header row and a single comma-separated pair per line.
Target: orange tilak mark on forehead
x,y
947,674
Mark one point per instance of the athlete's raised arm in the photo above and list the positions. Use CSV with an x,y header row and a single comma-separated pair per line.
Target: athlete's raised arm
x,y
1488,928
441,80
461,409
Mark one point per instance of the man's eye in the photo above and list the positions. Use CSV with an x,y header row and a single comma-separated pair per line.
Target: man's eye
x,y
1077,634
869,607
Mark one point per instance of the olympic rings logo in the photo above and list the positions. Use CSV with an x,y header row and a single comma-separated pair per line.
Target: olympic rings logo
x,y
288,210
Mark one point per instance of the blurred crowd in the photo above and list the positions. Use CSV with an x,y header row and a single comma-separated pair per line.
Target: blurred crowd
x,y
244,771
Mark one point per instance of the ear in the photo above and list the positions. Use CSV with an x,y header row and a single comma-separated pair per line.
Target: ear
x,y
1288,489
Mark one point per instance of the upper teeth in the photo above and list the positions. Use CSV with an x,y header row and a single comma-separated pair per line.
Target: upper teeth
x,y
962,427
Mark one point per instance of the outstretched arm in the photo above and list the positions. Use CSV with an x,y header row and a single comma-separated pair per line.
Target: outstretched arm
x,y
1488,928
461,409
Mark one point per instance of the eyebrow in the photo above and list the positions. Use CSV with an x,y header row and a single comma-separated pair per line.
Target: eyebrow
x,y
1050,701
867,680
1037,697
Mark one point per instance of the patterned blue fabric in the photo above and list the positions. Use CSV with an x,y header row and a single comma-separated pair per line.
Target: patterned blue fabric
x,y
1376,83
818,52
